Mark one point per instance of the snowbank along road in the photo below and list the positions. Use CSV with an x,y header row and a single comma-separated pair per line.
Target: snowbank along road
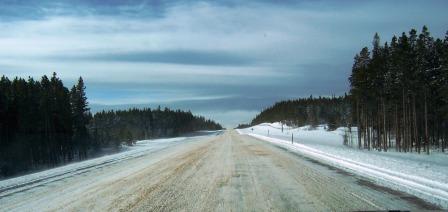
x,y
226,172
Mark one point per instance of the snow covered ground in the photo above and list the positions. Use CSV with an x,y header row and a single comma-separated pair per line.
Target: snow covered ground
x,y
421,175
141,148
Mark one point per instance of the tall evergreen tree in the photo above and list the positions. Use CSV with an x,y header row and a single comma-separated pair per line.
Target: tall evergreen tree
x,y
80,115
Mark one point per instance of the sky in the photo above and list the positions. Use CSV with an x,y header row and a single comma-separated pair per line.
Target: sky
x,y
226,60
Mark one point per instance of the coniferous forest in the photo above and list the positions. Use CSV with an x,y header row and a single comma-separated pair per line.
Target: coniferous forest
x,y
44,124
398,96
400,92
334,111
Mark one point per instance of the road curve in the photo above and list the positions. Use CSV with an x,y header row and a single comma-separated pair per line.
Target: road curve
x,y
229,172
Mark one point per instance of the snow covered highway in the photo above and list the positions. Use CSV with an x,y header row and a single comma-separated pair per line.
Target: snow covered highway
x,y
224,172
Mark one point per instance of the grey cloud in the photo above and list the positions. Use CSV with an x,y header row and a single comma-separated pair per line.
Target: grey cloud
x,y
186,57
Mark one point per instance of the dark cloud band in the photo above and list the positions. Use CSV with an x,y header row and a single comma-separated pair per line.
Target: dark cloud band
x,y
187,57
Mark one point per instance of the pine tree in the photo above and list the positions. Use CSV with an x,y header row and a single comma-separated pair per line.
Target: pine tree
x,y
80,116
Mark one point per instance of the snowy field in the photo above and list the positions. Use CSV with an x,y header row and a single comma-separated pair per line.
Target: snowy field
x,y
141,148
421,175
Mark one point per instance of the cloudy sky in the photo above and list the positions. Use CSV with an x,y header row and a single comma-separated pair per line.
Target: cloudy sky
x,y
223,59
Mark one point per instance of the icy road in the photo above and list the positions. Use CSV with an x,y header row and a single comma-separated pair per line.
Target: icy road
x,y
224,172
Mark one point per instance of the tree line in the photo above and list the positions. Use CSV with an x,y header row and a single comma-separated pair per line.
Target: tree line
x,y
400,93
130,125
333,111
44,124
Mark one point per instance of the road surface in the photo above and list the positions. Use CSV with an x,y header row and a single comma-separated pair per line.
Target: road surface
x,y
227,172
